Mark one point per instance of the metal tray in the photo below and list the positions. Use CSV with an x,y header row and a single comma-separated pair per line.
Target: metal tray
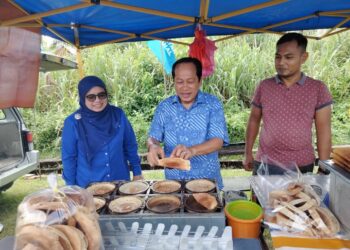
x,y
182,194
180,217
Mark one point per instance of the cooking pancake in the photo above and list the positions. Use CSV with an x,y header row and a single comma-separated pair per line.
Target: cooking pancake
x,y
193,206
163,203
101,188
133,187
206,200
200,186
166,187
125,205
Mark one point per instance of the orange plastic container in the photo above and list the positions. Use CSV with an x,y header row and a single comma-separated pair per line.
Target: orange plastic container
x,y
244,217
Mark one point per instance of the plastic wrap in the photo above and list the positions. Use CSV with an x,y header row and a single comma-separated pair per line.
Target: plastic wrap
x,y
63,218
292,203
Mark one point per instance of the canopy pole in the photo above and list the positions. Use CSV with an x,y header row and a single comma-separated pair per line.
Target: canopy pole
x,y
204,9
111,41
77,45
336,32
43,14
165,40
247,10
163,70
251,30
167,29
267,28
80,63
147,11
336,26
39,22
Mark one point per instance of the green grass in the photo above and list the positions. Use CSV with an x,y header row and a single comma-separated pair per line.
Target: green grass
x,y
226,173
153,174
10,199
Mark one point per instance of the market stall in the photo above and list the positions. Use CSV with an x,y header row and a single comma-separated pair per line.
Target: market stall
x,y
90,23
132,215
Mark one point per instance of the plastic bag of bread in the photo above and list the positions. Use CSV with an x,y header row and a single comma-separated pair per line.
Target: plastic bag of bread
x,y
58,219
297,208
292,204
272,175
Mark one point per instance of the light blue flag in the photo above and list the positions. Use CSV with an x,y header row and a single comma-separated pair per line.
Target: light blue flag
x,y
164,52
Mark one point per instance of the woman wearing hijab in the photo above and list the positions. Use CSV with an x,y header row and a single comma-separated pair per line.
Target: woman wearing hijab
x,y
98,142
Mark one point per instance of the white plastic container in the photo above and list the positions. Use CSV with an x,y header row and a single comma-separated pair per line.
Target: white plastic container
x,y
339,195
135,237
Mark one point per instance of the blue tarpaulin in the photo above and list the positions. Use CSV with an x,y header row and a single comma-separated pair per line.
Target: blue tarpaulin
x,y
89,23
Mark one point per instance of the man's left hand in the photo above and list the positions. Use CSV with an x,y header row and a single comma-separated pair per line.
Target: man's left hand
x,y
181,151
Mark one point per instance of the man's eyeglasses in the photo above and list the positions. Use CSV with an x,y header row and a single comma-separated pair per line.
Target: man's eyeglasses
x,y
92,97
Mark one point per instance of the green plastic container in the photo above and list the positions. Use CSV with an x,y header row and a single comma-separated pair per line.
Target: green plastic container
x,y
244,217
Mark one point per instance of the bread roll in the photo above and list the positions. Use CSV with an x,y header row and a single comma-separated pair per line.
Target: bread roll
x,y
38,236
88,224
294,188
76,238
329,219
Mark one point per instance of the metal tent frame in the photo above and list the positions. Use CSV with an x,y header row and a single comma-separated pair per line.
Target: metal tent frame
x,y
85,24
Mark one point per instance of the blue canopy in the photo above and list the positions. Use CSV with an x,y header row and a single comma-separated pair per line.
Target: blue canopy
x,y
89,23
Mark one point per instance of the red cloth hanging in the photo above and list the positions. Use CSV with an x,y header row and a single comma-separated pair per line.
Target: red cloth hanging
x,y
203,49
19,61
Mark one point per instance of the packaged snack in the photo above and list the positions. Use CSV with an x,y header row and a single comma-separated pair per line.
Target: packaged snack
x,y
291,203
58,218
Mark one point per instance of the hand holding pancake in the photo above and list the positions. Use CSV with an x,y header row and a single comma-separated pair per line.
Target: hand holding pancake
x,y
173,162
154,152
181,151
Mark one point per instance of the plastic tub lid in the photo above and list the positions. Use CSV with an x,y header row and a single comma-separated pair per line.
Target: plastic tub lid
x,y
244,210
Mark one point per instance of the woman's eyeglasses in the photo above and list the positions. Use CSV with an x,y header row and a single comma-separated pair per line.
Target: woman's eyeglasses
x,y
92,97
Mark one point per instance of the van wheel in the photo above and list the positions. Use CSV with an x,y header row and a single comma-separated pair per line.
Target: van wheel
x,y
7,186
